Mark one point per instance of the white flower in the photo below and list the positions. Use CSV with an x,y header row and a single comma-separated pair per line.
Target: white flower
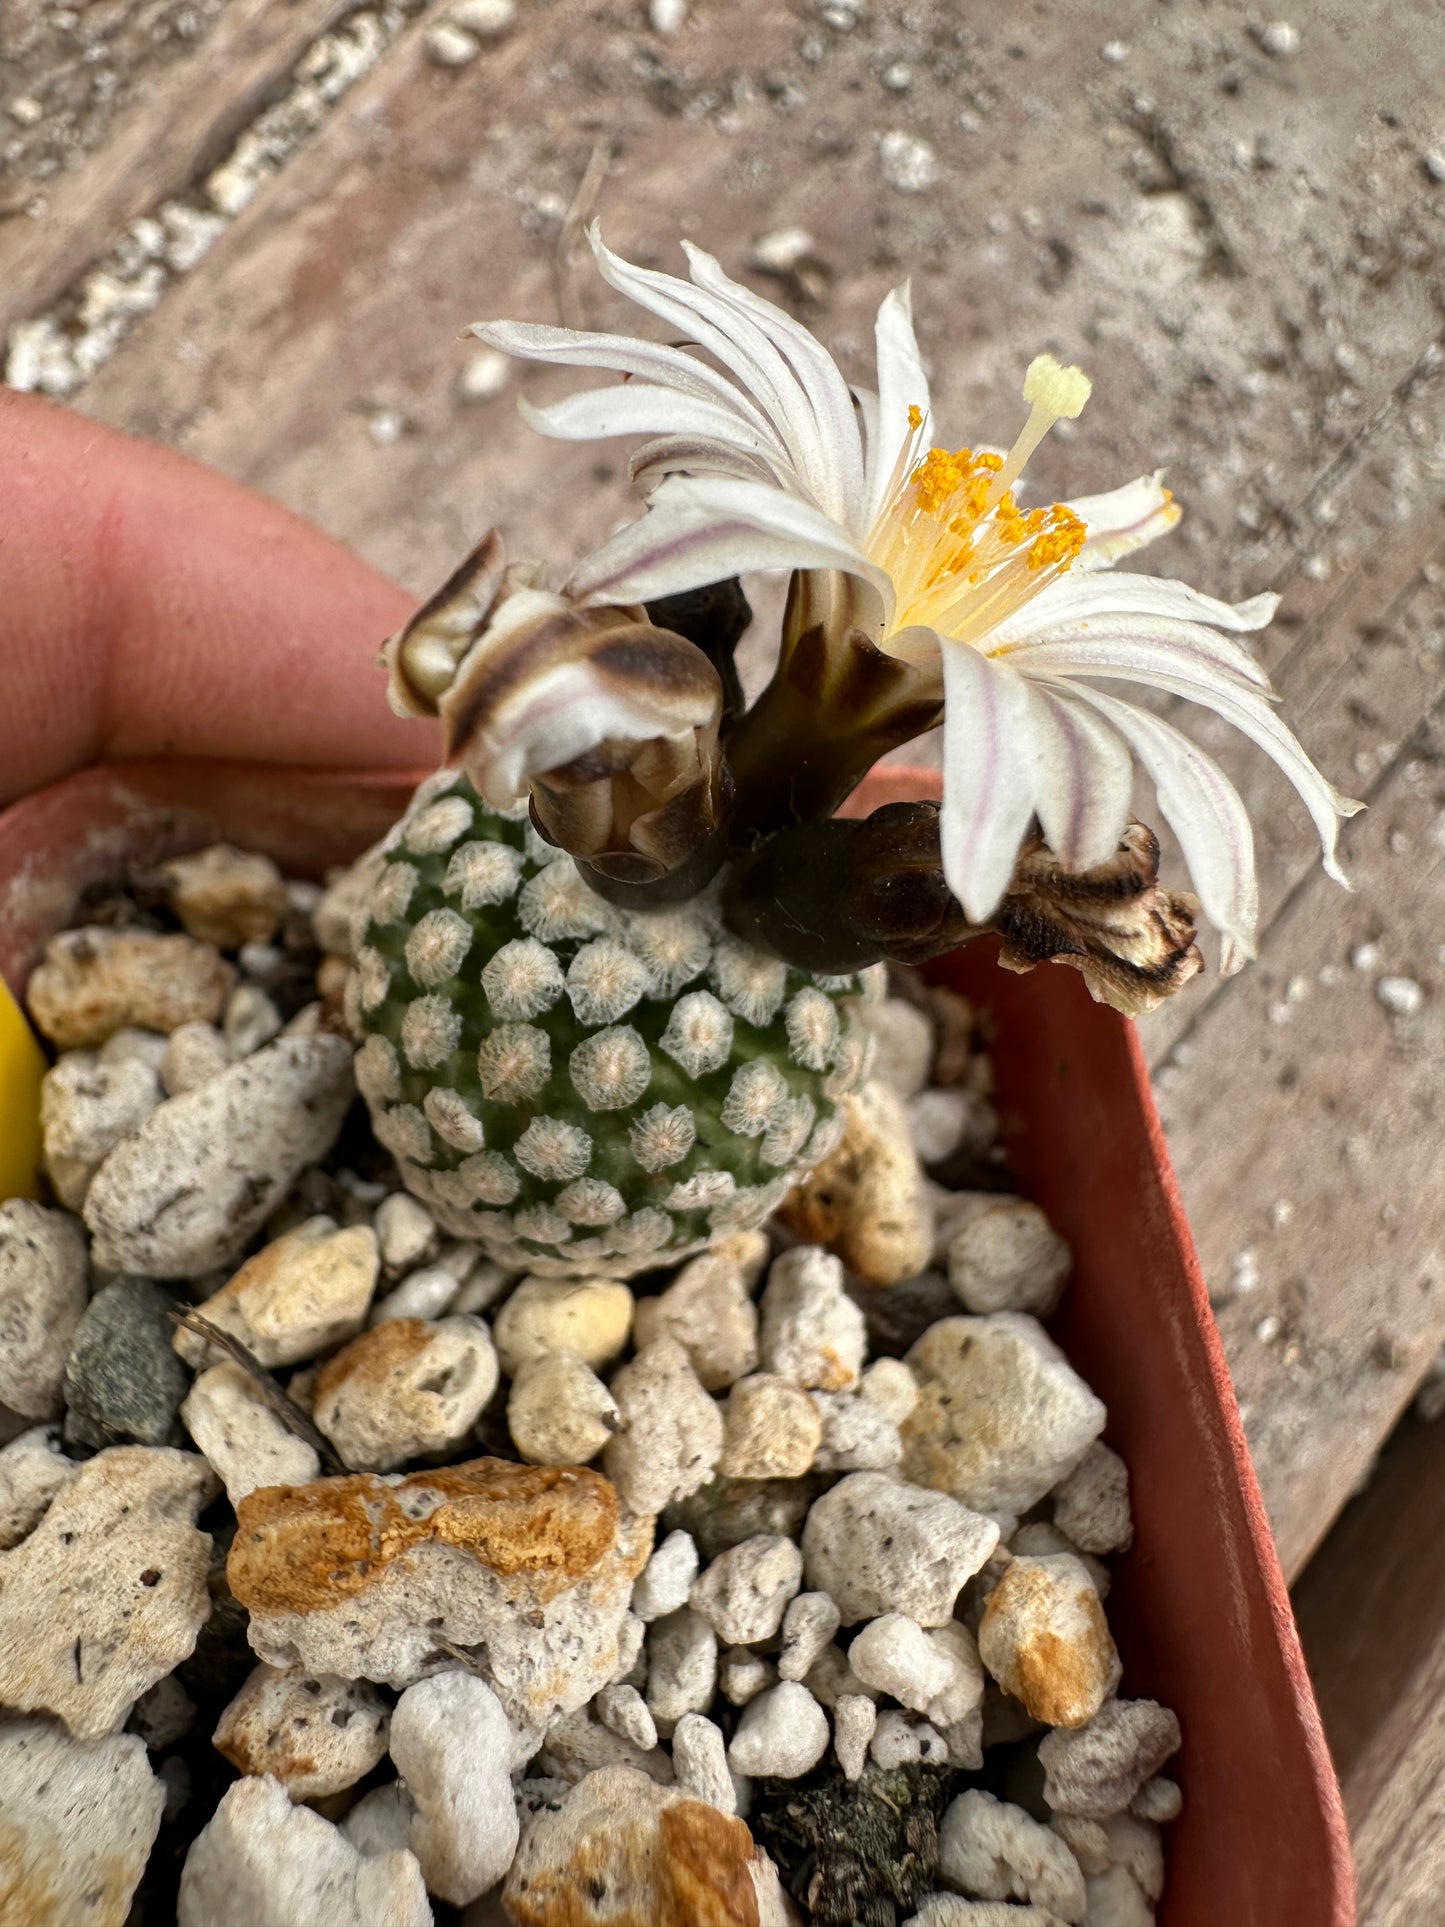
x,y
763,462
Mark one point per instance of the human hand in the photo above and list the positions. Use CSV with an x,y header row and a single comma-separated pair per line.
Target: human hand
x,y
149,607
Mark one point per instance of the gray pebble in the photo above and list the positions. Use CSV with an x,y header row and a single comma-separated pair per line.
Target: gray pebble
x,y
123,1380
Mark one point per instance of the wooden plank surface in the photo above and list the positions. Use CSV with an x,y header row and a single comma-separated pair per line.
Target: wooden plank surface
x,y
180,128
1244,249
1369,1611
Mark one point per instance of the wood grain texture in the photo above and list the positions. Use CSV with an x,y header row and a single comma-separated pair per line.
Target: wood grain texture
x,y
179,130
1369,1611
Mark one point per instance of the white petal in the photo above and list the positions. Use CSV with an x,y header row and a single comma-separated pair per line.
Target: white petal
x,y
695,455
1085,779
990,776
1124,519
644,408
622,354
554,717
698,531
902,385
1077,598
840,446
1204,810
736,342
1253,718
1140,646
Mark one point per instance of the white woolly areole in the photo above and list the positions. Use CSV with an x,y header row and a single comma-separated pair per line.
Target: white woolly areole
x,y
441,782
611,1069
850,1064
553,1150
825,1139
438,826
436,947
542,1224
514,1062
675,946
522,979
702,1189
591,1201
487,1178
372,976
557,903
699,1034
452,1121
430,1031
748,1205
604,980
758,1091
646,1230
846,981
483,873
378,1074
663,1136
788,1132
393,892
351,1001
404,1132
750,984
812,1023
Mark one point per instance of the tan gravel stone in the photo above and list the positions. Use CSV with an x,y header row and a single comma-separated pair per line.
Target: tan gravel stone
x,y
869,1201
773,1430
43,1273
300,1295
405,1388
77,1822
621,1848
108,1593
227,896
96,981
315,1736
590,1316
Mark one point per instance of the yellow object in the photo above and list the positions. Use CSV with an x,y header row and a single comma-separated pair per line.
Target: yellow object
x,y
22,1065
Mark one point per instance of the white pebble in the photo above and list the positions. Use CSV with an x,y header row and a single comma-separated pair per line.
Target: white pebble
x,y
666,16
1006,1256
260,1858
999,1852
745,1591
812,1332
405,1231
855,1719
559,1412
743,1675
899,1739
909,163
623,1710
425,1293
672,1435
246,1443
707,1309
879,1545
452,1745
939,1121
857,1437
783,249
700,1761
1280,38
1401,996
890,1387
893,1654
903,1035
591,1317
315,1735
79,1820
251,1020
665,1581
783,1732
1091,1505
484,377
808,1626
194,1054
404,1389
487,19
32,1470
681,1666
448,46
772,1429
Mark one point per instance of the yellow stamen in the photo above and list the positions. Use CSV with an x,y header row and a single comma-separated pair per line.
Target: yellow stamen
x,y
915,415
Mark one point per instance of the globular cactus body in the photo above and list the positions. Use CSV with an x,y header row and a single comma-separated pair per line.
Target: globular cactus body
x,y
583,1090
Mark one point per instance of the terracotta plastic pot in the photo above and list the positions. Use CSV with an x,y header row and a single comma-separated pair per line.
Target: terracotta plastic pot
x,y
1199,1607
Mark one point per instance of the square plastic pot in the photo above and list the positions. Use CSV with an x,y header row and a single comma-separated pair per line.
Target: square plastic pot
x,y
1199,1607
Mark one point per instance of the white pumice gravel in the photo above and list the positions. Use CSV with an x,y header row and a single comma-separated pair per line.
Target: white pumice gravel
x,y
699,1759
783,1732
452,1746
815,1553
812,1333
671,1433
809,1624
999,1852
665,1581
745,1591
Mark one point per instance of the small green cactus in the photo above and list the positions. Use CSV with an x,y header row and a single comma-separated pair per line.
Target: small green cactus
x,y
582,1089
